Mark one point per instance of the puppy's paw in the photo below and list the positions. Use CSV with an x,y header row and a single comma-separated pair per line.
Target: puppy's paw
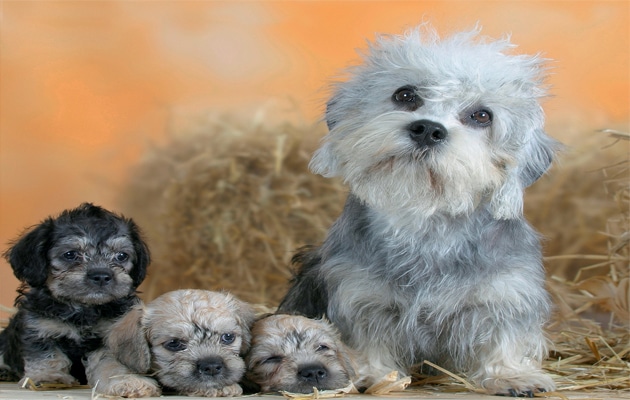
x,y
7,375
226,391
232,390
133,386
523,386
49,377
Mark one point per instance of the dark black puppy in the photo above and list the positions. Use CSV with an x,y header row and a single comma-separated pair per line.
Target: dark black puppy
x,y
79,272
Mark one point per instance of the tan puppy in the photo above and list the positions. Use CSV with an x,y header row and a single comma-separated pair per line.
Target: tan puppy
x,y
296,354
190,341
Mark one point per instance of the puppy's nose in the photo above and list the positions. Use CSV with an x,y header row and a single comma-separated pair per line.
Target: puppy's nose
x,y
312,373
210,366
99,277
427,133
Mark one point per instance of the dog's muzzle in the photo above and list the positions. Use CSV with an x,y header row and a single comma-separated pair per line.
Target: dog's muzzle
x,y
313,373
211,366
100,277
427,133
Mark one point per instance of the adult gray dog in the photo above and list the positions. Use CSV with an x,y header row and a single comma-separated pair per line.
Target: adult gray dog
x,y
432,258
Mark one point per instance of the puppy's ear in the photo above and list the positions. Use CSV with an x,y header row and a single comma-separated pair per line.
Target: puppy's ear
x,y
533,160
347,358
29,255
127,341
245,317
143,256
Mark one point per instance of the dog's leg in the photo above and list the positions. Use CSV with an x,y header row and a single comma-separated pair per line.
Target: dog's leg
x,y
109,377
379,362
501,353
48,367
509,365
6,373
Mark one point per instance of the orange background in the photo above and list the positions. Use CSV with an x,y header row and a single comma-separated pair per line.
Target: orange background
x,y
87,86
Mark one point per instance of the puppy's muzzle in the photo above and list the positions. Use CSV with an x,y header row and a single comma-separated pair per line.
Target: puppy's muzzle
x,y
427,133
312,373
99,277
212,366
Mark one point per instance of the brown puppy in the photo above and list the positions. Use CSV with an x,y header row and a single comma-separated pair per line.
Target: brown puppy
x,y
190,341
296,354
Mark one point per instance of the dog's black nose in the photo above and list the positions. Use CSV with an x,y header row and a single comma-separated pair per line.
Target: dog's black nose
x,y
312,373
210,366
427,133
100,277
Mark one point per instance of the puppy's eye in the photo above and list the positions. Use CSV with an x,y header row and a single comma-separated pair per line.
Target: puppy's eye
x,y
406,97
482,117
322,347
122,257
174,345
227,338
70,255
272,360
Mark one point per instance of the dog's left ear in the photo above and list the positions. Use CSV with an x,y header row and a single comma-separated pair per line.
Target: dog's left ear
x,y
29,255
143,255
347,359
532,161
538,155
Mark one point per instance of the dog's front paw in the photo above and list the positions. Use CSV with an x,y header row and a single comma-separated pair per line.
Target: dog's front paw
x,y
50,377
132,386
524,386
7,375
528,393
226,391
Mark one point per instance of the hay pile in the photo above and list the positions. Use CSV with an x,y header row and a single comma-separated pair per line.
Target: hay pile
x,y
591,329
225,204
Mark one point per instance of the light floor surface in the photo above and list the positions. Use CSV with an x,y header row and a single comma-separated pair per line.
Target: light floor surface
x,y
13,392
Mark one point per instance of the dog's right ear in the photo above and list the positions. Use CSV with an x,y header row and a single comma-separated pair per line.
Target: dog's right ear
x,y
143,256
29,255
127,341
324,161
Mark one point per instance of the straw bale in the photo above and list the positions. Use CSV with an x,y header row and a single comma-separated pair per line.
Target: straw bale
x,y
224,206
576,206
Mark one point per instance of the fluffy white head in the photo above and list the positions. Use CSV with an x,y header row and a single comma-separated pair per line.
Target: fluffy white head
x,y
428,125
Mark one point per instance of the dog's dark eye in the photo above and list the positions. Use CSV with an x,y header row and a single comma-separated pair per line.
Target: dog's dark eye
x,y
322,347
406,97
482,117
174,345
122,257
71,255
272,360
227,338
